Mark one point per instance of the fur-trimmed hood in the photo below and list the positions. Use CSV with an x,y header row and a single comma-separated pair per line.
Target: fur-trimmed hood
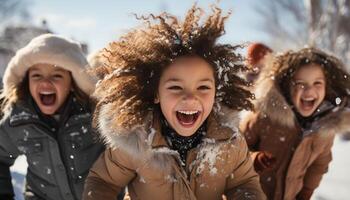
x,y
146,138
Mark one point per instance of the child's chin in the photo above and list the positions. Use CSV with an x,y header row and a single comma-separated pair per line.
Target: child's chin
x,y
305,113
186,133
47,111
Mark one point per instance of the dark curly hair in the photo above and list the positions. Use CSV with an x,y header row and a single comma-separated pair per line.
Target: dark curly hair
x,y
132,66
337,79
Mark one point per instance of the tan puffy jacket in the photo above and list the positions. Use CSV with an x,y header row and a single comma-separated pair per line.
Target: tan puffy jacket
x,y
220,167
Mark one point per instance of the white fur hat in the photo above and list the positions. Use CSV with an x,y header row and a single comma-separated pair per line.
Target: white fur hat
x,y
50,49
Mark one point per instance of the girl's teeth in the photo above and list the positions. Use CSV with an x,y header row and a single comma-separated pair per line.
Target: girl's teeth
x,y
188,112
47,93
308,99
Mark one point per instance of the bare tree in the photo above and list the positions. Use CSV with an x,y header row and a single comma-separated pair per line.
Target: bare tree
x,y
320,23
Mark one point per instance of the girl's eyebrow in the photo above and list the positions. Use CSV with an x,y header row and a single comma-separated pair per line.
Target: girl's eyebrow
x,y
207,79
317,79
178,80
59,70
173,80
34,69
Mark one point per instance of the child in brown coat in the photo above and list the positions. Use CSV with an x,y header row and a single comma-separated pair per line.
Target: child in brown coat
x,y
166,108
301,102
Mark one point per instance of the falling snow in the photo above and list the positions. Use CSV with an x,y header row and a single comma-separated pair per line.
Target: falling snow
x,y
337,100
282,139
26,134
85,130
74,134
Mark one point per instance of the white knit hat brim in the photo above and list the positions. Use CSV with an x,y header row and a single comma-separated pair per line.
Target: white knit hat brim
x,y
50,49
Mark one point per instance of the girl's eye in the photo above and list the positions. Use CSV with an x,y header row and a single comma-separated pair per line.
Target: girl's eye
x,y
175,87
204,87
318,83
35,76
57,76
300,85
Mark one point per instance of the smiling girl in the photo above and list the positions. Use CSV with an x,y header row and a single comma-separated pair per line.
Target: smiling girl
x,y
47,117
301,103
167,109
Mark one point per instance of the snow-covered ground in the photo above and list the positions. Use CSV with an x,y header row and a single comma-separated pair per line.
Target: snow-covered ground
x,y
335,184
18,171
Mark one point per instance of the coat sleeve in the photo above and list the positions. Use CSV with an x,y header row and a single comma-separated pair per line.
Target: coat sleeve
x,y
109,175
250,129
244,181
319,167
8,155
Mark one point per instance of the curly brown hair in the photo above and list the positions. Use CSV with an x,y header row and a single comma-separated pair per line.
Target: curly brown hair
x,y
337,79
134,64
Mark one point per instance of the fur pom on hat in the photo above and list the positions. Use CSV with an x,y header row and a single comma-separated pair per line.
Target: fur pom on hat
x,y
256,51
50,49
95,59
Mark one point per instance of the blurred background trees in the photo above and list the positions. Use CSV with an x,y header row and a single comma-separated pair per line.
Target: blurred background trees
x,y
320,23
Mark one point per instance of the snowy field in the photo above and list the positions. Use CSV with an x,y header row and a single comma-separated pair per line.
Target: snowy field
x,y
18,171
335,184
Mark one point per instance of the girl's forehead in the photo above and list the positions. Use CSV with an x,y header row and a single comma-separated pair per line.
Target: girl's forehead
x,y
46,68
309,68
310,71
188,69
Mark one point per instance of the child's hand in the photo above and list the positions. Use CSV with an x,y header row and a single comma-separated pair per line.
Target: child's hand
x,y
304,194
263,161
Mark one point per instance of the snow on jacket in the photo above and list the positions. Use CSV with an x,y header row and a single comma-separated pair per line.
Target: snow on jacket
x,y
58,160
302,158
142,161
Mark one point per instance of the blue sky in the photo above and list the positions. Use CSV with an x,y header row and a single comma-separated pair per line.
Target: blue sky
x,y
98,22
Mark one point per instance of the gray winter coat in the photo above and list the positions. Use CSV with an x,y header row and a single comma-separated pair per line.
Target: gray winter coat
x,y
58,158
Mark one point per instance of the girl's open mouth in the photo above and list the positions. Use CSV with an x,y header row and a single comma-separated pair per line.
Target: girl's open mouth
x,y
47,98
308,103
187,118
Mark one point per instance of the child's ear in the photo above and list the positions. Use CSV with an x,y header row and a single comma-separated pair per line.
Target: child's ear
x,y
156,99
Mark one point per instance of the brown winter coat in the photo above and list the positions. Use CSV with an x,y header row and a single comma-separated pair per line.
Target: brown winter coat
x,y
301,161
143,162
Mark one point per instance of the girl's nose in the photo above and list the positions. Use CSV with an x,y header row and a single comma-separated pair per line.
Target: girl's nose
x,y
189,97
309,90
45,82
